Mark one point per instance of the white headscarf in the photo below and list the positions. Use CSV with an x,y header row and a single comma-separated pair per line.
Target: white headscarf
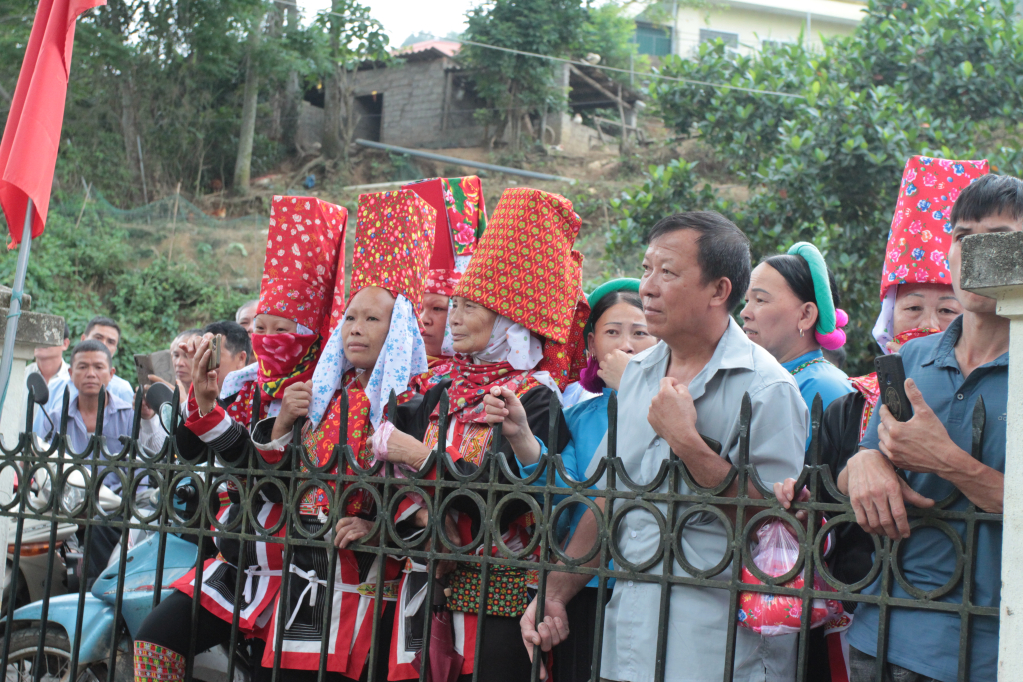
x,y
402,357
884,328
512,342
522,349
236,380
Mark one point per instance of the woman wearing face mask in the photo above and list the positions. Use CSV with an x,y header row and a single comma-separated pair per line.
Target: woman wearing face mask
x,y
615,333
916,300
305,240
516,321
376,349
792,311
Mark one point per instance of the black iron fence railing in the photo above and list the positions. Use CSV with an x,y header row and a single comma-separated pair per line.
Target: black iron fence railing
x,y
64,628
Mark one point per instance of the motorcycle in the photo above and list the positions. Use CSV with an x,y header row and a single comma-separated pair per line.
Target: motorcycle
x,y
35,538
99,623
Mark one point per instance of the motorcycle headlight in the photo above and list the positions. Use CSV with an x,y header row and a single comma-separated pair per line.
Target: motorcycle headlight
x,y
72,498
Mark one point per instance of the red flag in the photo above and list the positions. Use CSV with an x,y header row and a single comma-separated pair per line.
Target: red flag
x,y
28,151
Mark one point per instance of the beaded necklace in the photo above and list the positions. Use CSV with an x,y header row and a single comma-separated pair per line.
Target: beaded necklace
x,y
799,368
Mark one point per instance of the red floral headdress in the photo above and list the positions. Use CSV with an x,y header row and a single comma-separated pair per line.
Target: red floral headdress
x,y
921,233
304,258
461,217
525,269
393,242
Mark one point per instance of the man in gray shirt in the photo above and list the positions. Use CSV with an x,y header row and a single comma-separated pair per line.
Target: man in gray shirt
x,y
690,385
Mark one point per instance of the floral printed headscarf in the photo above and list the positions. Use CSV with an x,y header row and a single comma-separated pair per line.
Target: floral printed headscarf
x,y
921,232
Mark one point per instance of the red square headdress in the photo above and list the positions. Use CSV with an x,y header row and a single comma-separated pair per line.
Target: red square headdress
x,y
921,233
461,218
524,268
393,241
304,258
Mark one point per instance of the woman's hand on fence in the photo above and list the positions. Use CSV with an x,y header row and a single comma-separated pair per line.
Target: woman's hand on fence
x,y
504,407
785,492
349,529
551,631
612,367
405,449
294,405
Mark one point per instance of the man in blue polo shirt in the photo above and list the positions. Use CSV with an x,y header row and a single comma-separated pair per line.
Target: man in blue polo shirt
x,y
946,373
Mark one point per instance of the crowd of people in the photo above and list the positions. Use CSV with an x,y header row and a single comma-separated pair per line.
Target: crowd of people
x,y
492,312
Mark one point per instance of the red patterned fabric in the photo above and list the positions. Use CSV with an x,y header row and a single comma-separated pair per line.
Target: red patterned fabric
x,y
320,442
921,233
240,408
470,382
467,212
393,243
442,282
285,359
524,267
565,361
302,260
461,217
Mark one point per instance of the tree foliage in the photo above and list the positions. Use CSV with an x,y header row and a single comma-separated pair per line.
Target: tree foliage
x,y
171,74
917,77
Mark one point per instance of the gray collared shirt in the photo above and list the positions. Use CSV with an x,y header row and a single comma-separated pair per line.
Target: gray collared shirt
x,y
698,616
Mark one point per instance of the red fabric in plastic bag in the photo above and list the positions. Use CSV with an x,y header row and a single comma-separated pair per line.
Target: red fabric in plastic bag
x,y
776,554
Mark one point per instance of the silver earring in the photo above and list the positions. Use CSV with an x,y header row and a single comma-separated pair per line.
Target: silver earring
x,y
800,333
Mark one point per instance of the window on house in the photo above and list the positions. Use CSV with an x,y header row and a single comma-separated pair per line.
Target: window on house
x,y
729,39
652,39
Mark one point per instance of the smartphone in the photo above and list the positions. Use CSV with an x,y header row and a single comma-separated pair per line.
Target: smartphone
x,y
214,362
891,380
157,364
712,444
143,368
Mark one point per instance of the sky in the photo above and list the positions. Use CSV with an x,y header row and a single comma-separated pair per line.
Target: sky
x,y
402,18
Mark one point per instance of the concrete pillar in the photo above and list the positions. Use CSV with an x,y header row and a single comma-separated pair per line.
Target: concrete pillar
x,y
34,330
559,122
992,265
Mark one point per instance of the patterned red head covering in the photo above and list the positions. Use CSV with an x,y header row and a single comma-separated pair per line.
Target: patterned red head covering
x,y
921,233
524,267
461,218
393,242
304,258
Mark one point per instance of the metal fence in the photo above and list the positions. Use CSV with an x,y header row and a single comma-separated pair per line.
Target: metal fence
x,y
61,489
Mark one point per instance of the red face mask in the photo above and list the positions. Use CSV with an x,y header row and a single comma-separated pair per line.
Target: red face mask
x,y
285,359
911,334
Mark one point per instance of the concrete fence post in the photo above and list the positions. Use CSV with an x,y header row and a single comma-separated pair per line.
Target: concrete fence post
x,y
992,265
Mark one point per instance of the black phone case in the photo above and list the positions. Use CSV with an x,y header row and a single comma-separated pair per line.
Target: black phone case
x,y
891,381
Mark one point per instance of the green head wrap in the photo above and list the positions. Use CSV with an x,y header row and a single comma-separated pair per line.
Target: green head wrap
x,y
826,319
621,284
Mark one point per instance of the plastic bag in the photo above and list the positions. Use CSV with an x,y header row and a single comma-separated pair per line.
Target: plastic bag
x,y
776,554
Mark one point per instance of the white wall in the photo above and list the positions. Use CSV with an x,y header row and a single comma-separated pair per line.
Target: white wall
x,y
758,20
